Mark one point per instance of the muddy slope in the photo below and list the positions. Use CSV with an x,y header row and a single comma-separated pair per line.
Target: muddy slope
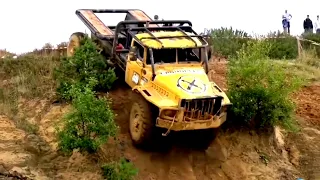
x,y
234,155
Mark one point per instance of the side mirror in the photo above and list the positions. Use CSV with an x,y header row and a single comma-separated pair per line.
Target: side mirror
x,y
133,53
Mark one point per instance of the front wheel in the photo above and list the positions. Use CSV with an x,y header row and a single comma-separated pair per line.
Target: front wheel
x,y
141,120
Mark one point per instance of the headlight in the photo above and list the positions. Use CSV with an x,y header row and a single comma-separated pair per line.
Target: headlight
x,y
169,113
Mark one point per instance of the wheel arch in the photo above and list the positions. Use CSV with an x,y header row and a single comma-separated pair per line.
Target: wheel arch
x,y
153,97
145,94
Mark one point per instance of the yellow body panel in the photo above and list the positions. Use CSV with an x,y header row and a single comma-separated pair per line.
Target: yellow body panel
x,y
182,42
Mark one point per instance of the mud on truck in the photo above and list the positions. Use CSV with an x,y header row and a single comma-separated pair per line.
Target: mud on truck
x,y
166,64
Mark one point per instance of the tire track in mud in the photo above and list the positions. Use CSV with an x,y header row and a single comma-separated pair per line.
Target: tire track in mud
x,y
174,163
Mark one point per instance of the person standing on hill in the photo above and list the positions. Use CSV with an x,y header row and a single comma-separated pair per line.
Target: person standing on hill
x,y
285,26
286,19
307,25
317,25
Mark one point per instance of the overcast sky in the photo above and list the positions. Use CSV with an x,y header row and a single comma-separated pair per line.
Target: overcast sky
x,y
29,24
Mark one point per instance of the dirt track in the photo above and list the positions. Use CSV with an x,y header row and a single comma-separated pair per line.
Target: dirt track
x,y
234,155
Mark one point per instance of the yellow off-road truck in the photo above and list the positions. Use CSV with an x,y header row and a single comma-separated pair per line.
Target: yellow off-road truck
x,y
166,65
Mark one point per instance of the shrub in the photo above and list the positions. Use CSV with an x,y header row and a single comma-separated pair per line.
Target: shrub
x,y
260,89
227,41
282,46
85,64
89,124
122,170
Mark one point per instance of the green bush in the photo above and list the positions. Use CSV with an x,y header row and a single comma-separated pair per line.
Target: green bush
x,y
227,41
260,89
85,64
122,170
282,46
89,124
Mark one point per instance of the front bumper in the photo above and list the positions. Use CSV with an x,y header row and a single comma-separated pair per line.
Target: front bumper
x,y
176,125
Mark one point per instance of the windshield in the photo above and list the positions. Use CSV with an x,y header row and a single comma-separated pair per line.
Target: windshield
x,y
187,55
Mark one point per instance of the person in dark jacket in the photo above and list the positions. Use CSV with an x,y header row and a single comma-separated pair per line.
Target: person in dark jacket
x,y
308,25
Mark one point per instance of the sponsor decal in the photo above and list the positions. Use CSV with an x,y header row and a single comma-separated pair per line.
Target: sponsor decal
x,y
183,71
191,84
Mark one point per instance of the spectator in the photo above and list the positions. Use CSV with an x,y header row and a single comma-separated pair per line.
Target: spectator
x,y
317,25
285,26
307,25
287,17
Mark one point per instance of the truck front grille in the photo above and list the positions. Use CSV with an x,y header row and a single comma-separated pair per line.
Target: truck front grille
x,y
201,109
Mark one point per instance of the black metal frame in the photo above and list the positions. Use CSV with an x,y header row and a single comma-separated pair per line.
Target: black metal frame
x,y
123,26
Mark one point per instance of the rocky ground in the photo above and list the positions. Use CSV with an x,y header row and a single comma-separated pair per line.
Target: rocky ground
x,y
235,154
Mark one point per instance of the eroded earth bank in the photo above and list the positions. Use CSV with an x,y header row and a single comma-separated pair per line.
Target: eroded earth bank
x,y
235,154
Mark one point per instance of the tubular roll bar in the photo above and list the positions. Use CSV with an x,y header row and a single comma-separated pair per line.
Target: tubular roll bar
x,y
122,26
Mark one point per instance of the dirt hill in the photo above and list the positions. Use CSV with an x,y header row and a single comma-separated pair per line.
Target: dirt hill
x,y
235,154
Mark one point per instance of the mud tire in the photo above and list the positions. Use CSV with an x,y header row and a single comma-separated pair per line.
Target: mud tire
x,y
141,123
74,42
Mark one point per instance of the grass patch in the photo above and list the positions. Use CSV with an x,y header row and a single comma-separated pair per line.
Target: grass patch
x,y
122,170
27,77
299,68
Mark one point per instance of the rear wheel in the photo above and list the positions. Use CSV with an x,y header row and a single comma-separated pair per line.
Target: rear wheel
x,y
74,42
141,121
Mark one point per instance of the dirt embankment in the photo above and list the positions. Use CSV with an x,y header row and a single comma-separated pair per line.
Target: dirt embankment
x,y
35,156
234,155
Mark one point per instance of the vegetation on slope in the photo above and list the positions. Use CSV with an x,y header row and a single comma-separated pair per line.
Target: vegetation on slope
x,y
260,89
86,64
227,41
25,78
91,122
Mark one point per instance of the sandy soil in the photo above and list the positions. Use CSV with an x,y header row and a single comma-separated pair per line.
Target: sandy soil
x,y
34,156
234,155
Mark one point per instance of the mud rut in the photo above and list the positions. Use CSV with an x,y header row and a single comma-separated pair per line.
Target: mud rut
x,y
233,155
